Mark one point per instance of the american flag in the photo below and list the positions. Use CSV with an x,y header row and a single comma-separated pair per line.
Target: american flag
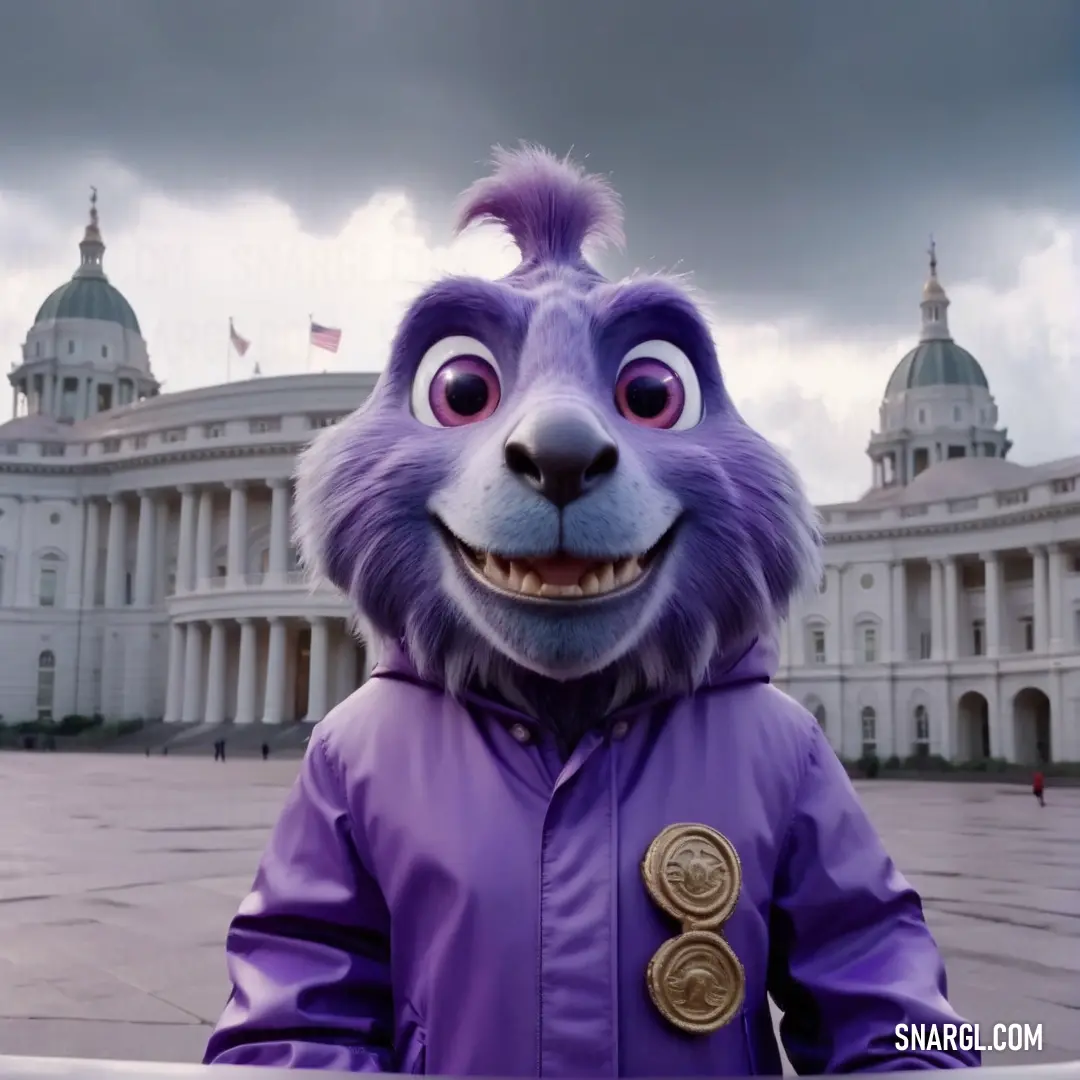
x,y
240,344
325,337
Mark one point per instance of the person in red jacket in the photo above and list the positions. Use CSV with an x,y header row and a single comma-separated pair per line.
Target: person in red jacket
x,y
1037,787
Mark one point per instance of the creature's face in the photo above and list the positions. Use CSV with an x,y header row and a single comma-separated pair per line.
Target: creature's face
x,y
550,472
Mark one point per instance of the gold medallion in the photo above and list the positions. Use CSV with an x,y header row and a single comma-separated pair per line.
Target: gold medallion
x,y
695,979
693,873
697,982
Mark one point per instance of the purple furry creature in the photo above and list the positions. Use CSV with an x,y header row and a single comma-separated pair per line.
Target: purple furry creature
x,y
568,827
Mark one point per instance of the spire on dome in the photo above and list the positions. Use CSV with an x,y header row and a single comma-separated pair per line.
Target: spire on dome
x,y
935,304
92,247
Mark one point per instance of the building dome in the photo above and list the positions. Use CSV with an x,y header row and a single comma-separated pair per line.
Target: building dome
x,y
939,362
88,298
88,295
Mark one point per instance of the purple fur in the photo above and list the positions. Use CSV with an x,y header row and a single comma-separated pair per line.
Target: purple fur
x,y
370,491
550,207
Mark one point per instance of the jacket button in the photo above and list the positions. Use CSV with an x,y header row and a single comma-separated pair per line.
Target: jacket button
x,y
619,729
520,732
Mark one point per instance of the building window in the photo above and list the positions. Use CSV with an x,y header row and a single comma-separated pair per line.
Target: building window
x,y
817,645
868,718
46,685
214,431
820,715
1027,628
869,645
104,352
110,446
174,436
264,561
1,579
978,638
264,425
924,645
922,731
47,587
71,348
922,416
129,591
956,413
141,441
37,348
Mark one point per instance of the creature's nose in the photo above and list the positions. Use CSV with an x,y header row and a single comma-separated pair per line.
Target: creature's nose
x,y
562,452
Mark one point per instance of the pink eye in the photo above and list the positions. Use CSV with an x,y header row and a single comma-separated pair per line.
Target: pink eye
x,y
650,393
464,390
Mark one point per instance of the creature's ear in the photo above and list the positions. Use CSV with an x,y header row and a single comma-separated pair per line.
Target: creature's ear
x,y
549,207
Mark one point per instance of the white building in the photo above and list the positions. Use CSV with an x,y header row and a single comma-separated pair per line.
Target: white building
x,y
948,618
146,569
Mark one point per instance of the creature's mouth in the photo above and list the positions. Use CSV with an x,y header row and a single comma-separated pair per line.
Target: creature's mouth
x,y
559,576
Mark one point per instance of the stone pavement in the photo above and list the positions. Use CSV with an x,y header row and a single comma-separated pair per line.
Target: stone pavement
x,y
119,874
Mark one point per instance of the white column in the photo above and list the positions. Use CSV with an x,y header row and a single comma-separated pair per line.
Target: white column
x,y
1040,614
174,693
144,552
899,600
26,559
193,673
245,679
937,612
274,698
73,585
992,567
116,553
204,540
1055,587
237,553
952,609
319,671
185,548
160,587
215,675
91,548
278,562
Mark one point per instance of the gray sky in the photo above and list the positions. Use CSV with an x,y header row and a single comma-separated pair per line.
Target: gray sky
x,y
793,156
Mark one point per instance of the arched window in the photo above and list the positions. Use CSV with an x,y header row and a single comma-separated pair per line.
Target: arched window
x,y
922,731
868,718
48,579
866,637
46,684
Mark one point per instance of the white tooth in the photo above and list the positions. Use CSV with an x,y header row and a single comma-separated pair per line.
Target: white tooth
x,y
590,584
515,576
531,584
606,577
560,590
493,570
626,571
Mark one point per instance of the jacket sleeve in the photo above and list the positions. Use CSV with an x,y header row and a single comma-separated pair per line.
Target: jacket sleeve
x,y
308,951
851,956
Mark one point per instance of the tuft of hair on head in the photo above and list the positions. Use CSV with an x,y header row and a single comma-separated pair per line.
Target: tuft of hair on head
x,y
550,207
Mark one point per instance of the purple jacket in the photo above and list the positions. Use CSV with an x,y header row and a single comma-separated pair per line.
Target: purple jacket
x,y
443,895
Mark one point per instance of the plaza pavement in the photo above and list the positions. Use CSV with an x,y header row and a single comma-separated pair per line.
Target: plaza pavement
x,y
119,874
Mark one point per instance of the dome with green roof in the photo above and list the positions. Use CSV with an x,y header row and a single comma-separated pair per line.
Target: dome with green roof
x,y
89,295
936,363
937,360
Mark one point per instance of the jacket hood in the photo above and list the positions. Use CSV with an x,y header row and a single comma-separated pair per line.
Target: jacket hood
x,y
756,662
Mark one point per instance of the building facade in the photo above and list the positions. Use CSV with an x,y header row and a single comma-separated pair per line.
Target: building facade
x,y
147,569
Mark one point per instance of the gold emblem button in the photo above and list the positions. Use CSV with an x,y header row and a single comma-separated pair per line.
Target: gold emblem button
x,y
697,982
693,873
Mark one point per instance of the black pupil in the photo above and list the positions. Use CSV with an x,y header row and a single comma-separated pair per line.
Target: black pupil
x,y
647,396
467,393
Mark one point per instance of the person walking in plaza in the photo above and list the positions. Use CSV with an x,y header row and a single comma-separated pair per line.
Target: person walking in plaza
x,y
1037,785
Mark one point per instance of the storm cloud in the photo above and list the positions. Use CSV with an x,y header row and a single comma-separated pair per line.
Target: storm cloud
x,y
794,156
